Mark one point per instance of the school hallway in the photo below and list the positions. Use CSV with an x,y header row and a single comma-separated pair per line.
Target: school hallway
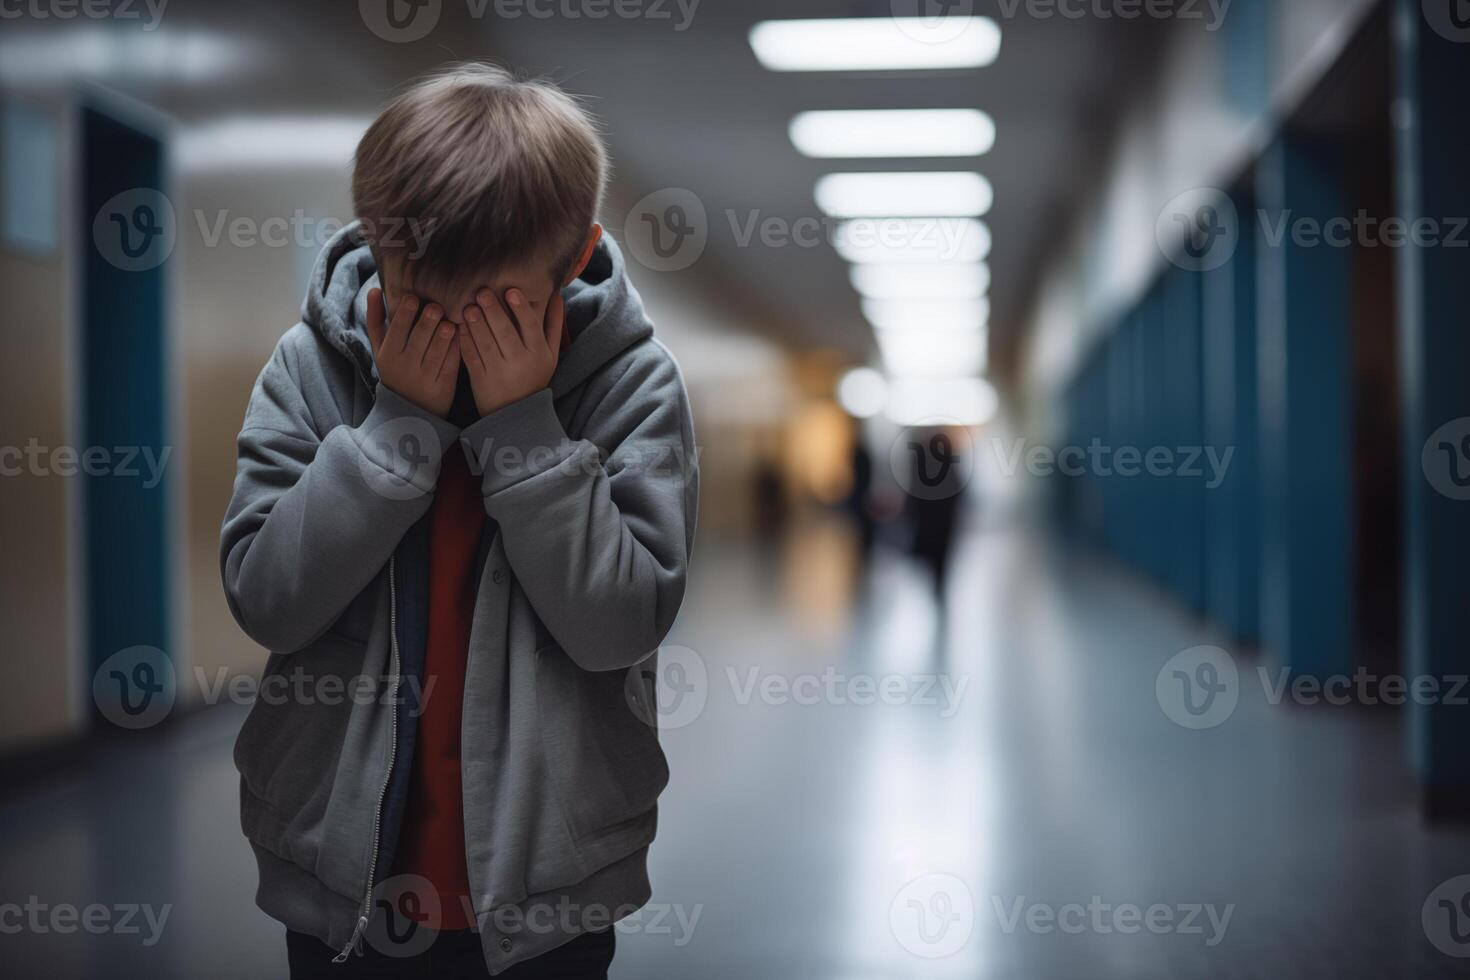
x,y
1138,325
991,808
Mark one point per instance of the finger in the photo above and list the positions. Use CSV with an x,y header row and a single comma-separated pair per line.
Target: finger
x,y
449,369
528,326
455,357
443,336
399,327
424,332
556,316
469,352
377,324
479,331
501,326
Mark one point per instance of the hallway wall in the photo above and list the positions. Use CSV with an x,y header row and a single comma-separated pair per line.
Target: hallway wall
x,y
1215,103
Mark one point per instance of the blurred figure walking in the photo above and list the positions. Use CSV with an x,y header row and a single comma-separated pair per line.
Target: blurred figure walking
x,y
935,487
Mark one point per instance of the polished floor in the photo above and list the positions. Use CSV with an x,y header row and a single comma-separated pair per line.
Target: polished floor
x,y
860,793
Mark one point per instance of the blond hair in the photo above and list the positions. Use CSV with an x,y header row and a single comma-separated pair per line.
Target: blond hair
x,y
489,169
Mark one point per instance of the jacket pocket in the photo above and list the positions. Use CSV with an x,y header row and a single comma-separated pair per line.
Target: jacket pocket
x,y
288,748
605,761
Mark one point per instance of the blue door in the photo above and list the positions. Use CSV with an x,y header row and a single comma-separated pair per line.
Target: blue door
x,y
127,233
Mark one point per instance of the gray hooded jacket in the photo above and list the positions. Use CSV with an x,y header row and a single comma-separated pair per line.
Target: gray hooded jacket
x,y
590,487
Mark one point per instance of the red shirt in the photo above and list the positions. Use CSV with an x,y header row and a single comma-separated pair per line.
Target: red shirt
x,y
432,841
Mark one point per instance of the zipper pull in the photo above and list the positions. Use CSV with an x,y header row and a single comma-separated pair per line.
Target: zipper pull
x,y
354,945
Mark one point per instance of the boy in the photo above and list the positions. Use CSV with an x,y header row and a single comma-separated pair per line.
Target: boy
x,y
462,514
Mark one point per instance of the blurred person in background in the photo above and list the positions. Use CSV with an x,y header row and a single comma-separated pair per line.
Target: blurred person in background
x,y
936,486
769,491
860,504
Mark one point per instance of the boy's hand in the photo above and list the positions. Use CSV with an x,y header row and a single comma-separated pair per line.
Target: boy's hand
x,y
509,355
416,359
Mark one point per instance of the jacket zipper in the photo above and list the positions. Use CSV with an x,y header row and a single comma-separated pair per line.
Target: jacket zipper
x,y
367,900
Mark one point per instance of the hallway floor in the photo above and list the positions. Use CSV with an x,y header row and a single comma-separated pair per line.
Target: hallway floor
x,y
1033,813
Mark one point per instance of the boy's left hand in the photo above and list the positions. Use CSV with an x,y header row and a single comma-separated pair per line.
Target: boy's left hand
x,y
509,355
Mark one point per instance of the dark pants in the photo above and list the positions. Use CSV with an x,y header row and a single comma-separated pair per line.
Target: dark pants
x,y
454,955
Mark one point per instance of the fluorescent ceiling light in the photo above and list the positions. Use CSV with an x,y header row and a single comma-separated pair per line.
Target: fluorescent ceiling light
x,y
939,281
961,401
244,142
96,51
875,43
933,353
928,315
938,194
893,133
912,240
862,392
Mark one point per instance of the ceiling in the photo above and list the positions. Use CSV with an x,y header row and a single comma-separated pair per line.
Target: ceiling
x,y
692,108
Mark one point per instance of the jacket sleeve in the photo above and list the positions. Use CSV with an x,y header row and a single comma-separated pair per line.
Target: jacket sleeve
x,y
315,516
600,545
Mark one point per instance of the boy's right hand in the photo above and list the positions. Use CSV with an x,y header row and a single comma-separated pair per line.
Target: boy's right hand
x,y
417,358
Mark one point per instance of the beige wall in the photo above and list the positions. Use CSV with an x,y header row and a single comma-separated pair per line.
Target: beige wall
x,y
36,699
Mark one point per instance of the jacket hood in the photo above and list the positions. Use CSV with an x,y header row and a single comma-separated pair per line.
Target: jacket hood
x,y
604,313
